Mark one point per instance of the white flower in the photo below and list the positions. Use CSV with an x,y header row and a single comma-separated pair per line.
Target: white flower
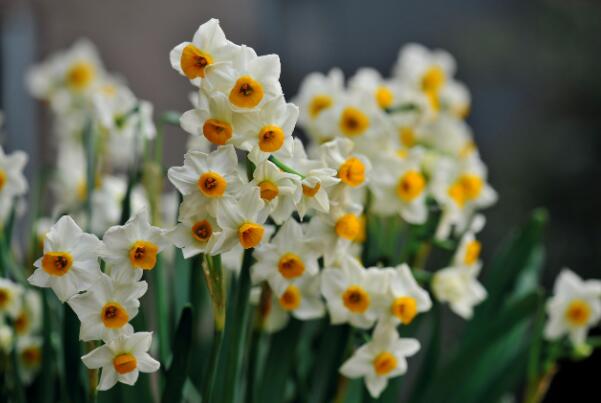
x,y
249,81
265,131
382,358
208,47
241,222
70,261
132,248
574,307
207,179
10,298
29,354
122,359
287,257
29,319
12,182
455,98
353,169
107,307
6,338
353,294
107,202
468,252
460,288
385,93
194,233
404,298
280,191
213,119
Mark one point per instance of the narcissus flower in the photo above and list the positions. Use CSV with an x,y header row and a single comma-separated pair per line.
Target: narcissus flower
x,y
574,307
353,169
382,358
286,258
213,120
209,47
122,359
132,248
241,223
404,298
10,298
353,294
334,233
249,81
29,319
280,190
207,179
459,287
29,355
12,181
194,233
70,262
107,307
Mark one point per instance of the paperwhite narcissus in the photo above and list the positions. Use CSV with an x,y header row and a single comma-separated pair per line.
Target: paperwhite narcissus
x,y
194,233
29,319
468,252
10,298
209,47
122,359
6,338
353,169
213,120
404,298
106,308
241,222
132,248
249,81
29,355
207,179
12,181
286,258
353,294
370,82
333,233
382,358
70,262
574,307
459,287
265,131
279,190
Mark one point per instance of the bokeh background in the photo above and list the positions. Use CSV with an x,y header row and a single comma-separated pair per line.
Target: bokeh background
x,y
533,67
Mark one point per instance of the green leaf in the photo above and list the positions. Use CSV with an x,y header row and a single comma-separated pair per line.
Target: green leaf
x,y
177,373
430,361
160,287
72,357
46,391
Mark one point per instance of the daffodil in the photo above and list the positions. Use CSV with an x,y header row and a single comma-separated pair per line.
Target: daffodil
x,y
122,359
70,262
382,358
369,81
194,233
574,308
131,248
354,294
10,298
405,298
459,287
207,179
6,338
209,47
107,307
353,168
213,120
29,319
12,182
280,191
29,355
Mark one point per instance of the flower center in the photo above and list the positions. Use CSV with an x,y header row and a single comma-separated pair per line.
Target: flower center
x,y
384,363
194,61
217,131
57,263
211,184
271,138
311,191
202,231
80,75
348,226
352,172
291,298
411,185
356,299
4,297
143,255
466,188
114,315
247,93
384,97
2,179
433,79
269,190
578,313
21,323
472,252
318,104
407,137
405,309
125,363
250,234
353,122
291,266
32,356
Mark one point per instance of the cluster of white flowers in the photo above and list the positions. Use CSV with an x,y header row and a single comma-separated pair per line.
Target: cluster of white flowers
x,y
105,302
13,185
386,147
84,98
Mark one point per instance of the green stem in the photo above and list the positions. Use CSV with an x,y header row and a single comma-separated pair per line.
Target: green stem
x,y
285,167
162,308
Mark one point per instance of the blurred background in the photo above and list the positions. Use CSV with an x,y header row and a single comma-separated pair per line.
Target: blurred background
x,y
532,67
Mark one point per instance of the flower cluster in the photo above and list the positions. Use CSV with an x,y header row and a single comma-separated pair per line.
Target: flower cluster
x,y
105,302
394,147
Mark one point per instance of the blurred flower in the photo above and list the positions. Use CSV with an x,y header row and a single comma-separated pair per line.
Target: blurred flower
x,y
459,287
